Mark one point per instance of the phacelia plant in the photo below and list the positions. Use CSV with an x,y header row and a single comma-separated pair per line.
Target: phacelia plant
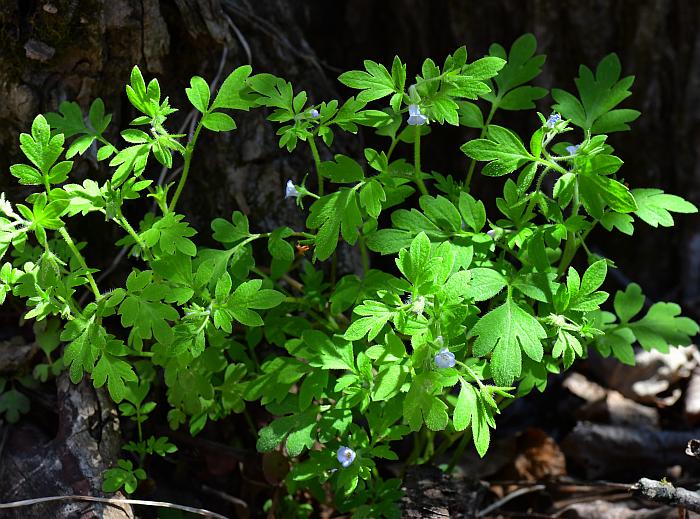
x,y
478,310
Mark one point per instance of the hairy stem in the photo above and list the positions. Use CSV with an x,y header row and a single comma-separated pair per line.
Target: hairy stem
x,y
124,223
71,245
571,247
186,167
416,162
472,164
317,163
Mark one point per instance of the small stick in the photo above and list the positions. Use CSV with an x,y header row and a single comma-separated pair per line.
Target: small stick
x,y
160,504
498,504
666,493
225,496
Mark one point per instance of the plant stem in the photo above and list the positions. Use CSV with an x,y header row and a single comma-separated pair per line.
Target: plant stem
x,y
317,163
71,245
186,167
394,142
460,450
416,162
364,257
121,220
472,164
571,247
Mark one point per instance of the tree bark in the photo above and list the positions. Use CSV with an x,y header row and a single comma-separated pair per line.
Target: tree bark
x,y
86,444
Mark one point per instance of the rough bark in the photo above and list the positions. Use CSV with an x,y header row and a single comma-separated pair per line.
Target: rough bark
x,y
86,444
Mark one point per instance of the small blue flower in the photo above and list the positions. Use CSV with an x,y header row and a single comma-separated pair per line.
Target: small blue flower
x,y
313,113
291,190
573,149
415,118
346,456
445,359
553,120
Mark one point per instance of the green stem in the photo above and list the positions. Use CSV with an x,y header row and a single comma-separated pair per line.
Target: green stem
x,y
416,162
552,165
186,167
472,164
71,245
571,247
394,142
124,223
463,442
363,254
317,163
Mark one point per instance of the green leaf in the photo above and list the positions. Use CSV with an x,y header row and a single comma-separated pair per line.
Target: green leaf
x,y
27,175
13,404
116,373
123,475
422,405
229,95
472,211
584,296
599,94
598,190
40,147
143,310
250,296
629,303
87,340
662,327
522,66
654,206
483,284
230,233
198,94
218,122
375,315
372,195
388,381
503,150
332,214
470,115
169,234
342,171
466,407
303,424
505,331
376,83
332,352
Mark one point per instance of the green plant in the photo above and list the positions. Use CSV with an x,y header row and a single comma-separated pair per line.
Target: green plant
x,y
477,311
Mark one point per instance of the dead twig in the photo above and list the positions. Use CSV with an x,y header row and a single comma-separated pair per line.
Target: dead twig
x,y
114,501
498,504
666,493
226,497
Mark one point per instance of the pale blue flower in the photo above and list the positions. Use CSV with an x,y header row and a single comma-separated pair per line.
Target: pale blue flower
x,y
573,149
346,456
291,190
553,120
415,118
313,113
445,359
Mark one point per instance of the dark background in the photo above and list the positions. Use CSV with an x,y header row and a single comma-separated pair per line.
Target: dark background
x,y
81,49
